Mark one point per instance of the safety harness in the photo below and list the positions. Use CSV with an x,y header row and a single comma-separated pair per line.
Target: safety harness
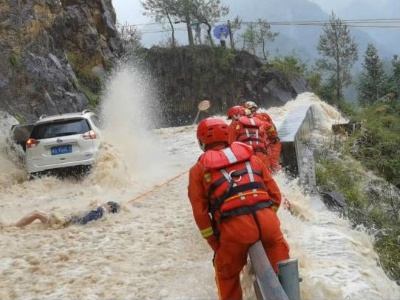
x,y
237,185
251,132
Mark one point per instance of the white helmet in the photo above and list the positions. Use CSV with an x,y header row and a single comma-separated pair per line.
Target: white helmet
x,y
251,105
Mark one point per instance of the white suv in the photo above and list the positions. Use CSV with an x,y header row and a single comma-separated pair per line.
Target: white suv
x,y
63,142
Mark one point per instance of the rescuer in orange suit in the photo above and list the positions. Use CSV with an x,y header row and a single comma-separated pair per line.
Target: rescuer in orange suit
x,y
234,200
234,113
274,144
251,131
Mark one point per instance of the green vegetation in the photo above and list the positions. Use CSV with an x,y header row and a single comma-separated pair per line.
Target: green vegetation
x,y
83,70
287,68
90,84
256,36
94,100
339,52
20,118
371,202
373,80
378,144
14,60
225,59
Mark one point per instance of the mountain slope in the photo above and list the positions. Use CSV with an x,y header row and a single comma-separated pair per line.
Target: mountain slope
x,y
299,35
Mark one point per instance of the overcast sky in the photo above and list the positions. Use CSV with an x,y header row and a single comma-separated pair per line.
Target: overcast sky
x,y
329,5
129,11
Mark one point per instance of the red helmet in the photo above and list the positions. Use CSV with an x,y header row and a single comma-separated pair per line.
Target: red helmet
x,y
235,112
212,130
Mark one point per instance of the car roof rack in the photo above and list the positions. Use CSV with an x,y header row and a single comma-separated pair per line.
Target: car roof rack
x,y
86,111
42,116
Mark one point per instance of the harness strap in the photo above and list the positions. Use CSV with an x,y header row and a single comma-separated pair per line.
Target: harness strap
x,y
245,187
249,138
253,187
252,139
220,200
246,194
246,210
220,181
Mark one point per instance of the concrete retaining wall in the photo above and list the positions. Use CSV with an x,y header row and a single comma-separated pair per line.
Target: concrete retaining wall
x,y
296,157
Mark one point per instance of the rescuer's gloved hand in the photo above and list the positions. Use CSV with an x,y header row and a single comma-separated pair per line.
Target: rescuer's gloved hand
x,y
213,242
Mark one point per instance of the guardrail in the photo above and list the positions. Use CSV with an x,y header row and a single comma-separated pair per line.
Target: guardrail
x,y
268,285
296,158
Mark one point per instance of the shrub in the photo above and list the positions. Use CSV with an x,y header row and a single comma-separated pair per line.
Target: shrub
x,y
14,60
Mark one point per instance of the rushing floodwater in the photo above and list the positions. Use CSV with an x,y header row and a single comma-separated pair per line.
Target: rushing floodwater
x,y
152,249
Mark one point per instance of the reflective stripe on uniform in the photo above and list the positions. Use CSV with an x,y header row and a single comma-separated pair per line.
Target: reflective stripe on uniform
x,y
230,155
246,194
252,135
249,171
248,135
205,233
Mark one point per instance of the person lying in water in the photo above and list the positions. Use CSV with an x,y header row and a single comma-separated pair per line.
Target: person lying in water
x,y
53,220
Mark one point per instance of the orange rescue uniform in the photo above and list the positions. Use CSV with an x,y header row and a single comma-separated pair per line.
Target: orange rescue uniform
x,y
237,132
229,231
274,147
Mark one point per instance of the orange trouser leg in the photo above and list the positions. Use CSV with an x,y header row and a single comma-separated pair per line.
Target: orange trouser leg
x,y
274,151
275,245
237,234
229,261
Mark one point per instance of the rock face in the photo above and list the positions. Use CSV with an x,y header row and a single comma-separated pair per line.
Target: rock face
x,y
187,75
44,45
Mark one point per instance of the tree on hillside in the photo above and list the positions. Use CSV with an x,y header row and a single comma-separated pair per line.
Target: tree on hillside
x,y
131,37
183,9
207,13
373,81
161,11
256,36
265,34
250,38
186,11
339,51
234,26
394,80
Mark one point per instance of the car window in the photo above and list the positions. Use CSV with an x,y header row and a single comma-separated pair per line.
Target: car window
x,y
60,128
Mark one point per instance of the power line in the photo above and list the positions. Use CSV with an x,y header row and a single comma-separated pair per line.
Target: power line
x,y
310,22
370,26
352,23
373,23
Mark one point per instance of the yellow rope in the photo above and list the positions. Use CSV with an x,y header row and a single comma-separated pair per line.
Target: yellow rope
x,y
156,188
